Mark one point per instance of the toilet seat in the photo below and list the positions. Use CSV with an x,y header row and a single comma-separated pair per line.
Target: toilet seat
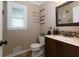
x,y
36,45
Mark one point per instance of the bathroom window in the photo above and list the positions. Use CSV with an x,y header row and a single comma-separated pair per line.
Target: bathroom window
x,y
17,16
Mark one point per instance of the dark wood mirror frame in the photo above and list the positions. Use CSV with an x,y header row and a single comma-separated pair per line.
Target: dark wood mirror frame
x,y
67,24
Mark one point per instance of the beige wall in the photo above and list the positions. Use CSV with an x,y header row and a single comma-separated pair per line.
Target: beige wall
x,y
50,17
49,12
21,38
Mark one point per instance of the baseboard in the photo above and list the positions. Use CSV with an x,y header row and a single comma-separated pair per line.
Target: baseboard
x,y
14,54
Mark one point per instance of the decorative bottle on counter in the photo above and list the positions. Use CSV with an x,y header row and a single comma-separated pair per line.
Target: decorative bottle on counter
x,y
49,31
55,31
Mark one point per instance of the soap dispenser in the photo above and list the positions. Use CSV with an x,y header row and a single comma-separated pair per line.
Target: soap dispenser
x,y
54,31
57,31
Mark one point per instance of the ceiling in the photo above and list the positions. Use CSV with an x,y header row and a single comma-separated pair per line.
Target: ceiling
x,y
37,2
41,2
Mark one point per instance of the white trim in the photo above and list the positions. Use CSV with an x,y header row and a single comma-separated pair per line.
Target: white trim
x,y
15,54
60,2
1,28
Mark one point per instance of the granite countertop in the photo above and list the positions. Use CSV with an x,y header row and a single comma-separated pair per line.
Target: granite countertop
x,y
70,40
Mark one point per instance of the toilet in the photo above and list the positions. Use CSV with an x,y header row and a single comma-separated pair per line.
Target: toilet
x,y
38,48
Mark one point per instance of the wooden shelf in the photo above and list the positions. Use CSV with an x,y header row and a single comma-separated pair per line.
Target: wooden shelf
x,y
42,16
35,12
42,20
36,15
42,23
42,10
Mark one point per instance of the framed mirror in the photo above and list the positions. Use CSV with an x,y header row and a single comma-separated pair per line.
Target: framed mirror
x,y
67,14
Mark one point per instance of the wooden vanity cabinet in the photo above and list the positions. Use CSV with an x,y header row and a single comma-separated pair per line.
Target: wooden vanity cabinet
x,y
70,50
54,48
59,49
50,48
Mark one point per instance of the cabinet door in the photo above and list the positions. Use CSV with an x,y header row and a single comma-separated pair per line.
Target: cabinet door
x,y
59,48
70,50
50,48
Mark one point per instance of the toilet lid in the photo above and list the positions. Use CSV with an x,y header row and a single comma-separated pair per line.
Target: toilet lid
x,y
35,45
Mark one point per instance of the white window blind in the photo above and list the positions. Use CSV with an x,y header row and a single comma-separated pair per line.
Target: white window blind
x,y
17,16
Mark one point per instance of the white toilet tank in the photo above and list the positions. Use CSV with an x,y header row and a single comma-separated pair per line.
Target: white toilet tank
x,y
42,40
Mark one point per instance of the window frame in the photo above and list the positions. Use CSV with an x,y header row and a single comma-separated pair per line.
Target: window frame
x,y
11,5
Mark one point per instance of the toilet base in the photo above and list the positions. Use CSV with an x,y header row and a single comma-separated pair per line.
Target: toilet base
x,y
39,53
